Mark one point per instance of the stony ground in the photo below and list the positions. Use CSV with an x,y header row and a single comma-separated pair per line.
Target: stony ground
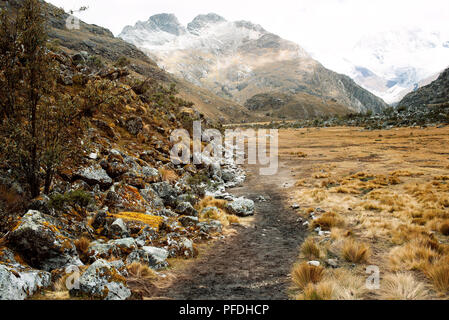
x,y
254,260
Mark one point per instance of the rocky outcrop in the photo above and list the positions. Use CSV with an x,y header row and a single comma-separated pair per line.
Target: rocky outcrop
x,y
241,207
41,243
433,94
102,281
18,283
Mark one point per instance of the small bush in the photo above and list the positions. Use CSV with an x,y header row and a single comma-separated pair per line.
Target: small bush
x,y
304,274
122,62
355,252
71,198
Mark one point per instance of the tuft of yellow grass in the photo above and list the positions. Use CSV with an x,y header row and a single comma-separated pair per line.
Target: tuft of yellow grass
x,y
402,286
438,273
414,255
355,252
168,175
320,291
304,274
82,247
310,250
328,221
140,271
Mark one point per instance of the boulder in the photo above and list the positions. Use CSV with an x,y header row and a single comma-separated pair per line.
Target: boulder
x,y
117,248
119,229
94,175
41,244
102,281
157,257
123,197
241,207
187,221
211,226
18,283
186,209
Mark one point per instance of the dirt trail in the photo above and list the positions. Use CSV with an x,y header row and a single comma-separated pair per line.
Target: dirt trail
x,y
255,262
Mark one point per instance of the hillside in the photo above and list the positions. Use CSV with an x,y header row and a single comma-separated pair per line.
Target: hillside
x,y
435,93
242,61
101,43
87,185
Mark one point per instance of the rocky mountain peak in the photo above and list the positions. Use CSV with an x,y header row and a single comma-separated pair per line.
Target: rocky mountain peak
x,y
167,23
202,21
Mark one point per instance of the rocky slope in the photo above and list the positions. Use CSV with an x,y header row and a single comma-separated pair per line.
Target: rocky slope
x,y
118,212
243,62
100,42
433,94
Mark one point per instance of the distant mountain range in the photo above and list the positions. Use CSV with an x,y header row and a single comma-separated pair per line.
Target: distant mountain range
x,y
243,62
393,63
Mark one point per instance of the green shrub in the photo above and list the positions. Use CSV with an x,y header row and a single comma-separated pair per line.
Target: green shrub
x,y
71,198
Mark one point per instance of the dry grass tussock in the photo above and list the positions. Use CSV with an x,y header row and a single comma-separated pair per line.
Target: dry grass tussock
x,y
402,286
355,252
304,274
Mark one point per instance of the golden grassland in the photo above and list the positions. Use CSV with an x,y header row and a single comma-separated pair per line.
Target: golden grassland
x,y
386,200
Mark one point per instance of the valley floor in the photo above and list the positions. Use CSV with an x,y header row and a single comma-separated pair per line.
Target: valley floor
x,y
366,198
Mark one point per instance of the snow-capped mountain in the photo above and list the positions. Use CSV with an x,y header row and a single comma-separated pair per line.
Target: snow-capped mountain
x,y
242,61
392,63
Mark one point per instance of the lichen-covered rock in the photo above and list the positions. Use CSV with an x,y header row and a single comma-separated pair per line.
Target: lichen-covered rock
x,y
241,207
157,257
123,197
186,209
134,125
119,229
18,283
210,226
41,244
94,175
187,221
152,198
102,281
112,248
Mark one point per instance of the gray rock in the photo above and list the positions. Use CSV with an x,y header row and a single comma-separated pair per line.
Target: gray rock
x,y
157,257
332,263
95,175
314,263
102,281
187,221
134,125
241,207
186,209
41,244
210,226
119,229
19,283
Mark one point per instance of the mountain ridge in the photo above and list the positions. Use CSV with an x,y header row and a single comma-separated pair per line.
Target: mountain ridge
x,y
240,60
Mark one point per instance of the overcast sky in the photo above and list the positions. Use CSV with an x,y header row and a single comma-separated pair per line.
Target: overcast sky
x,y
314,24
